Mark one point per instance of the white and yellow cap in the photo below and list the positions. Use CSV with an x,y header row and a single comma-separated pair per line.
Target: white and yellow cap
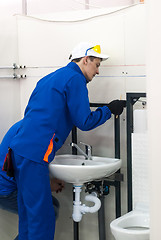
x,y
87,49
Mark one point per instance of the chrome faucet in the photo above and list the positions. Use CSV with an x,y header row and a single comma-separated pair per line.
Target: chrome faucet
x,y
88,150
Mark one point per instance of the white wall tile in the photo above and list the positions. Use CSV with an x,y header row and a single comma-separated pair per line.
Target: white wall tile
x,y
140,166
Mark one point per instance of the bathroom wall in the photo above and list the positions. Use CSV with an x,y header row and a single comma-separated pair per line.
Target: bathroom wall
x,y
44,46
10,7
9,87
154,114
9,102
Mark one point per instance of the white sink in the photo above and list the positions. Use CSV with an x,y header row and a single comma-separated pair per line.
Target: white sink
x,y
77,170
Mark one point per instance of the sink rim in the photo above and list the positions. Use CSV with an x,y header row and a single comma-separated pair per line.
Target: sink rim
x,y
81,157
110,165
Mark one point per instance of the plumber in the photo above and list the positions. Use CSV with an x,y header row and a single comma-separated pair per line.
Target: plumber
x,y
58,102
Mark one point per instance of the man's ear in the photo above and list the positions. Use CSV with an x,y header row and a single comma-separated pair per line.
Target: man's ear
x,y
85,60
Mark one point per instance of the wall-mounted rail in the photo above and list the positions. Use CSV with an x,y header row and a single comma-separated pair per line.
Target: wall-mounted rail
x,y
14,66
14,76
16,69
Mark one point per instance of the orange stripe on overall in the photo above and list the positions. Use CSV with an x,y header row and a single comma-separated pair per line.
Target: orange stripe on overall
x,y
49,150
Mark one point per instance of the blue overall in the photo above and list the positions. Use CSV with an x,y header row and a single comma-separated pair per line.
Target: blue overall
x,y
59,102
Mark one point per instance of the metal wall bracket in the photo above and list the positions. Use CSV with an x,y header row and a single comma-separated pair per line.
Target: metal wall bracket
x,y
119,177
115,183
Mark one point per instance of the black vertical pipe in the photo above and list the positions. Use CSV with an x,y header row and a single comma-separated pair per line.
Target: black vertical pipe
x,y
101,219
129,154
117,136
117,155
74,152
74,140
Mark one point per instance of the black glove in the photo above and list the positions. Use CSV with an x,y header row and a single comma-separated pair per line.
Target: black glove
x,y
117,106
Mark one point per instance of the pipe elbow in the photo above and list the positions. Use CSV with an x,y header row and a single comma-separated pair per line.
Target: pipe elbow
x,y
96,201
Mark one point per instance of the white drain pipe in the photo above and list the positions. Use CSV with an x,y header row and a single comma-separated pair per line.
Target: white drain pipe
x,y
79,209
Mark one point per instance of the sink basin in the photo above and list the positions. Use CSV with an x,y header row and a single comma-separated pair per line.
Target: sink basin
x,y
77,170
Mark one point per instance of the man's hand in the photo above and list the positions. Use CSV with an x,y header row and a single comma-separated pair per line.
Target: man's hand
x,y
117,106
56,185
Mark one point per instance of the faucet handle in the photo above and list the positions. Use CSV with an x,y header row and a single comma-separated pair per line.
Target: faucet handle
x,y
85,144
88,149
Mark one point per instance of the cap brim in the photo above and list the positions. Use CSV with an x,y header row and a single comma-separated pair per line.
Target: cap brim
x,y
102,56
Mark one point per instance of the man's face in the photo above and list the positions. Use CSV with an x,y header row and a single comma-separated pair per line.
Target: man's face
x,y
91,68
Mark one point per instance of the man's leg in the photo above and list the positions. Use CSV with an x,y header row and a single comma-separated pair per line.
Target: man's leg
x,y
34,200
9,202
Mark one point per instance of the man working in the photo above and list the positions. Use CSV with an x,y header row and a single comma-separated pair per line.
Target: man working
x,y
8,187
59,101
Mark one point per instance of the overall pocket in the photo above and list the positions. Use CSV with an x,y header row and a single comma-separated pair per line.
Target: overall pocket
x,y
8,165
